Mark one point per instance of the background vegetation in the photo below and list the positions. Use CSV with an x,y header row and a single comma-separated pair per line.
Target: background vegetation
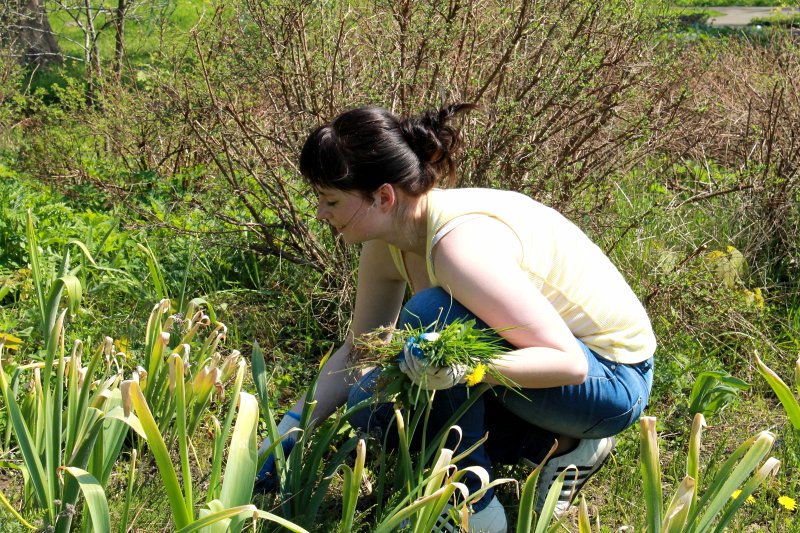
x,y
173,158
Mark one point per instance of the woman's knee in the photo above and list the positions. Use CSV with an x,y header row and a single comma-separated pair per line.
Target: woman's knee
x,y
434,308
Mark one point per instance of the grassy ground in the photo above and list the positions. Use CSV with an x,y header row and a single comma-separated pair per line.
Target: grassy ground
x,y
703,12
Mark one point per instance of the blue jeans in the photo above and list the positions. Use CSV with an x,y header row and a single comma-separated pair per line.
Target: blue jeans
x,y
610,400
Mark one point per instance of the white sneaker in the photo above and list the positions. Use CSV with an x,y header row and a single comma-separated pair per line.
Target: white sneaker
x,y
490,519
588,457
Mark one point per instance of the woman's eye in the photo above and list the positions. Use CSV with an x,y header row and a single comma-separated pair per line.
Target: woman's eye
x,y
331,204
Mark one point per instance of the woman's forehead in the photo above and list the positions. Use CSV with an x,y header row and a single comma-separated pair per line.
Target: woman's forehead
x,y
327,191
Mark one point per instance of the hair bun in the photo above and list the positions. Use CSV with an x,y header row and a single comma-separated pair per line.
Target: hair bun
x,y
433,139
429,134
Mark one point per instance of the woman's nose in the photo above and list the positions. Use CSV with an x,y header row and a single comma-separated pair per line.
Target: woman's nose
x,y
320,214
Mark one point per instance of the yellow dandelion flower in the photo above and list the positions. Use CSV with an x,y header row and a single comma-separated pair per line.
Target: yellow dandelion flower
x,y
788,502
121,344
476,376
750,499
759,298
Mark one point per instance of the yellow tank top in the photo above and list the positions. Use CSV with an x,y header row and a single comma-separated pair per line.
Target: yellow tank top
x,y
581,283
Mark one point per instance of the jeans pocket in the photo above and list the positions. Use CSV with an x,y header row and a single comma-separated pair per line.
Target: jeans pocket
x,y
613,425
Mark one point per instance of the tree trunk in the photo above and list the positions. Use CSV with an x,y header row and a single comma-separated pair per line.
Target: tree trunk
x,y
28,22
119,41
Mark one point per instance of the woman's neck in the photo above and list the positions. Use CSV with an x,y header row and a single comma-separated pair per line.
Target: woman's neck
x,y
411,225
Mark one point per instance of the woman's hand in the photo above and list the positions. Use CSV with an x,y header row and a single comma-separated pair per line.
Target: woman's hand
x,y
267,477
415,365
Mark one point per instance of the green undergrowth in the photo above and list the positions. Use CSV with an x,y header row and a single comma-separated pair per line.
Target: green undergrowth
x,y
780,20
122,284
681,261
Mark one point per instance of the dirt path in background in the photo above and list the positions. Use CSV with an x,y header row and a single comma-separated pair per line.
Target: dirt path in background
x,y
741,16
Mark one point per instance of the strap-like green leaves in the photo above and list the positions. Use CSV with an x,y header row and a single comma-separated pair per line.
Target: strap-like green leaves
x,y
95,498
240,470
782,391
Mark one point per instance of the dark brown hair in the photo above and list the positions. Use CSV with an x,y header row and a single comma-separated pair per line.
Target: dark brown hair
x,y
364,148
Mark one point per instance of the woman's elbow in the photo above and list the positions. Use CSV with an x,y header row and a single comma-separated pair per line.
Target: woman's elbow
x,y
579,369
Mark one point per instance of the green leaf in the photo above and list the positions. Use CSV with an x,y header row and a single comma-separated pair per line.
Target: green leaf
x,y
155,441
729,477
240,471
95,498
769,468
260,376
131,420
180,423
30,454
351,487
114,434
83,249
679,507
124,524
782,391
395,519
584,524
156,272
221,437
36,270
552,499
14,512
212,518
651,473
693,458
528,499
713,390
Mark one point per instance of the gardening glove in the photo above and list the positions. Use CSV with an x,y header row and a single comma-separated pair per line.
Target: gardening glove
x,y
414,364
267,477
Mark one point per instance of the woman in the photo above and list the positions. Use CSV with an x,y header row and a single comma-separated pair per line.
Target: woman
x,y
581,344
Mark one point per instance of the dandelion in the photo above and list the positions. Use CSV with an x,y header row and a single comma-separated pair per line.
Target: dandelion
x,y
122,345
788,502
477,375
754,298
750,499
759,298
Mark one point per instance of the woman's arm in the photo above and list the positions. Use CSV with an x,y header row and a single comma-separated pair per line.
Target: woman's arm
x,y
478,262
379,297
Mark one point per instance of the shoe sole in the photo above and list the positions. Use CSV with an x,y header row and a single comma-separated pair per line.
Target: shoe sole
x,y
592,471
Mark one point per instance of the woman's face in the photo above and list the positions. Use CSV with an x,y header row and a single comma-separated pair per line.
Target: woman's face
x,y
347,212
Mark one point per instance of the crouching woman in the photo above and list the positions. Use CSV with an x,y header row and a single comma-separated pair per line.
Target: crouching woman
x,y
580,342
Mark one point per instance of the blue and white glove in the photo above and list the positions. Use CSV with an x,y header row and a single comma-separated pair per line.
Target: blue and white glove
x,y
415,365
267,477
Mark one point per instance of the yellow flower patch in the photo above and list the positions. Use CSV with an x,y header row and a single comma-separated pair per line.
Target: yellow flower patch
x,y
477,375
750,499
788,502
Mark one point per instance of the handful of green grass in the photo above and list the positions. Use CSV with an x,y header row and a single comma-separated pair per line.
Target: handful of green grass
x,y
459,343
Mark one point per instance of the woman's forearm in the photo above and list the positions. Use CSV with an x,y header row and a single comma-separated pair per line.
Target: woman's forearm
x,y
333,385
538,368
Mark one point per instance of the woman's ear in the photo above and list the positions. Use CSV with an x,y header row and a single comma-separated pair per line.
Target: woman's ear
x,y
385,197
